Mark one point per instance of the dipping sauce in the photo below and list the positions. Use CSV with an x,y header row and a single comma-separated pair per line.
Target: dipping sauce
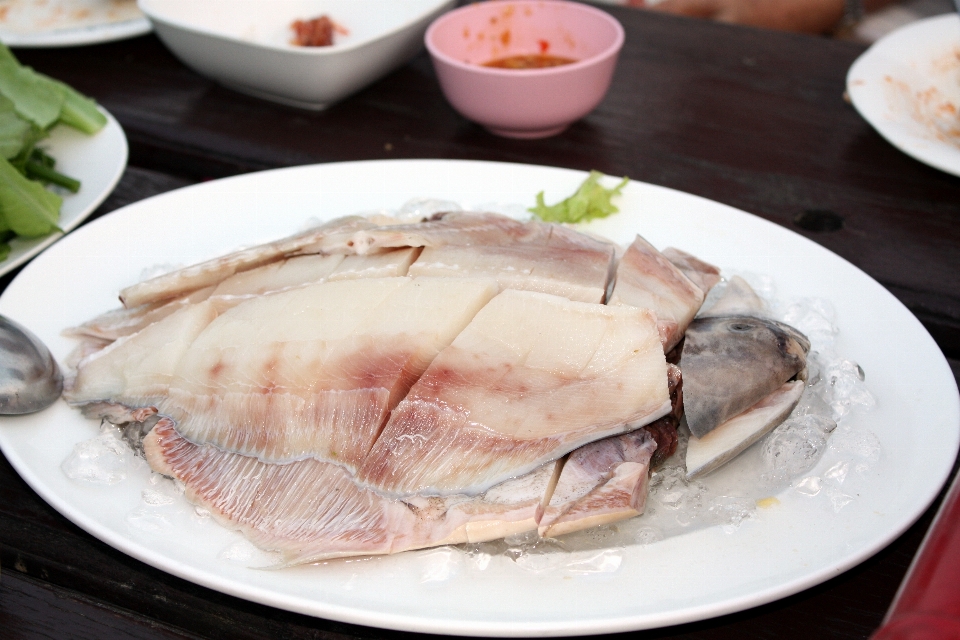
x,y
532,61
313,33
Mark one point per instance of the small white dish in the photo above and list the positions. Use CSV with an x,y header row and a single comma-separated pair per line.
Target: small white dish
x,y
97,161
799,540
246,44
67,23
907,86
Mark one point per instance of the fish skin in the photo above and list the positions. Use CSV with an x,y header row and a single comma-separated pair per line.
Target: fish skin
x,y
730,363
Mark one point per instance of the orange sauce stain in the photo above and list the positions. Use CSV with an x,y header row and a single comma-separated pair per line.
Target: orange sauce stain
x,y
535,61
544,46
505,37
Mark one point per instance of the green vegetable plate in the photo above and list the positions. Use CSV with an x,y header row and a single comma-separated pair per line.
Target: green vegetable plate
x,y
97,162
60,156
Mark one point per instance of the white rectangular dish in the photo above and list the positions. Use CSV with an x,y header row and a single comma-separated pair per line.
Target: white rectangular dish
x,y
246,44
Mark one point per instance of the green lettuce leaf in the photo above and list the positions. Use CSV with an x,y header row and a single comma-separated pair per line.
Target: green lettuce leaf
x,y
13,130
35,97
591,200
79,111
27,208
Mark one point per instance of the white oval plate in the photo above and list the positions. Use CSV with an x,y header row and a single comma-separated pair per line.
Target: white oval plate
x,y
698,575
907,86
67,23
97,161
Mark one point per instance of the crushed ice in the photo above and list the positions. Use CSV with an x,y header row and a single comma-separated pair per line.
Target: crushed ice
x,y
104,460
245,554
795,446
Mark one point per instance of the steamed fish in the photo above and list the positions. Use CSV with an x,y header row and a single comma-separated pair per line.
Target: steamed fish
x,y
371,387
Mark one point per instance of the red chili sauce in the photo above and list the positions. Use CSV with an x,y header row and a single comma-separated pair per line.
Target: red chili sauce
x,y
313,33
531,61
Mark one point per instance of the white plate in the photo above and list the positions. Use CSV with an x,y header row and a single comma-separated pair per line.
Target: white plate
x,y
698,575
907,86
66,23
97,161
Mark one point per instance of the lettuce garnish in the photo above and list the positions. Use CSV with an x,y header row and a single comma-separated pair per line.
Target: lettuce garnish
x,y
591,200
31,104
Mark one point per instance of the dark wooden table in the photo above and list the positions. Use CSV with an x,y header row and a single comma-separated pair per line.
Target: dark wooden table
x,y
750,118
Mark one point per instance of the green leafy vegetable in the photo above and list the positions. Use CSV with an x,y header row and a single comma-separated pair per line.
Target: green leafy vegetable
x,y
591,200
13,130
35,97
40,166
28,209
30,105
79,111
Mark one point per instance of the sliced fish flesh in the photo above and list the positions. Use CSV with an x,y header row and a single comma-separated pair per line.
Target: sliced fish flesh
x,y
312,371
532,377
701,273
458,227
648,280
601,483
561,262
211,272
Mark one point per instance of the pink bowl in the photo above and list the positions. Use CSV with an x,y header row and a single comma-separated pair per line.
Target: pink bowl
x,y
524,103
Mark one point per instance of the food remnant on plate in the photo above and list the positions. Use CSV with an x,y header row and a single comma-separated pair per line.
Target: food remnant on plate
x,y
31,104
934,103
30,17
591,200
531,61
317,32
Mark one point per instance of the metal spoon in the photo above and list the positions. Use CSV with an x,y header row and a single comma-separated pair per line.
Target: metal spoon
x,y
30,379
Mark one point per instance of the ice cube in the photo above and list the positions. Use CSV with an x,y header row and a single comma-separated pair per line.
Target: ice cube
x,y
795,446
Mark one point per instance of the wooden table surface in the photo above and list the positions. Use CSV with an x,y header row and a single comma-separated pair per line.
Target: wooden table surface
x,y
750,118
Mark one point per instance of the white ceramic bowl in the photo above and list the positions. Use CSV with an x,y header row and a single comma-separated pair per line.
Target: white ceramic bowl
x,y
246,44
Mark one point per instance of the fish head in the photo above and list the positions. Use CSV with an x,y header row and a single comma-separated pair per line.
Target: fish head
x,y
730,363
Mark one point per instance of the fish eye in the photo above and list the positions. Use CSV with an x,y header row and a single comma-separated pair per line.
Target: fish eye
x,y
740,326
